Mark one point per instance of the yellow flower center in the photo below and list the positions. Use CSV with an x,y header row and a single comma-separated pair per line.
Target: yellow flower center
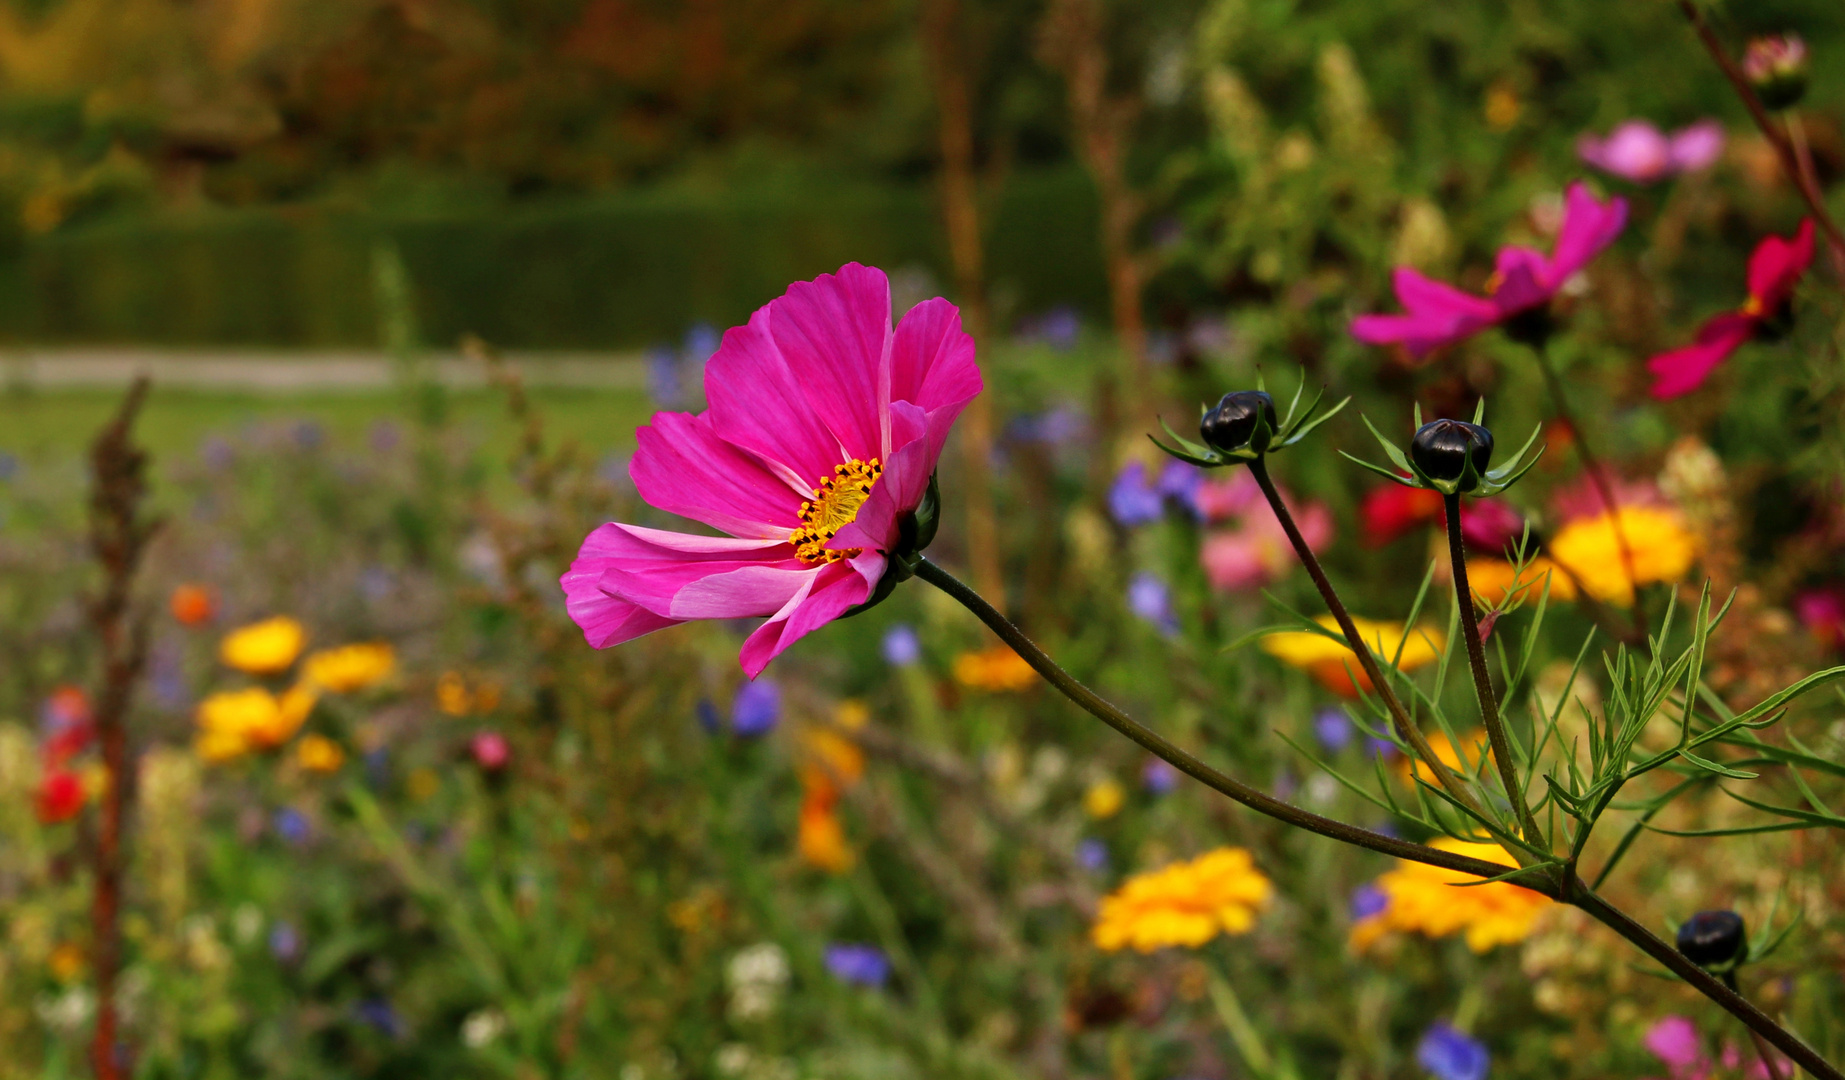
x,y
1753,308
835,505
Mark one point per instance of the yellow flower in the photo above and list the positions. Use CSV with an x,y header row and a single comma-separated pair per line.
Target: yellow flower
x,y
236,722
456,697
1462,761
1502,107
1103,799
350,667
1491,579
66,962
1432,901
317,753
422,784
264,648
1336,667
993,670
1663,550
1185,904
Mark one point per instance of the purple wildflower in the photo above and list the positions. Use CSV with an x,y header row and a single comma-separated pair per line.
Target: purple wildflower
x,y
858,965
1158,777
1149,598
902,648
756,709
1451,1055
1333,729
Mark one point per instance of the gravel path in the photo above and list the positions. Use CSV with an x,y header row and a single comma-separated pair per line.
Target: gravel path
x,y
253,371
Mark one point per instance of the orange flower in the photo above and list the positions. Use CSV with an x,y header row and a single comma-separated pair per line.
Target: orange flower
x,y
193,605
1491,579
821,840
317,753
263,648
1462,761
1335,667
350,667
1185,904
994,670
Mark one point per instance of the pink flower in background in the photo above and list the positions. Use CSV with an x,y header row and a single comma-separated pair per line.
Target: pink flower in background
x,y
1582,499
1232,496
1257,551
823,430
1822,612
1638,151
1437,314
1675,1041
1774,269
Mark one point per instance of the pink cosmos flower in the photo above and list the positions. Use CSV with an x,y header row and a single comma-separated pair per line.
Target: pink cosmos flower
x,y
1822,612
1774,269
822,434
1390,510
1257,551
1439,314
1638,151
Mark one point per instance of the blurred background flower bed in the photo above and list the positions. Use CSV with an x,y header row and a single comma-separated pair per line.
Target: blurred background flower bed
x,y
389,815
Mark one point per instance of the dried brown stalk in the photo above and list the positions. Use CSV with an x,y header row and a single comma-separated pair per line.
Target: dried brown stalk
x,y
119,534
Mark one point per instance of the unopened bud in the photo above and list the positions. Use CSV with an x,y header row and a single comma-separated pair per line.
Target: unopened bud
x,y
1243,419
1453,452
1713,940
1776,66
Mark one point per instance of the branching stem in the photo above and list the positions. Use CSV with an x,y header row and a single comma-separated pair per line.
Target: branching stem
x,y
1566,888
1399,716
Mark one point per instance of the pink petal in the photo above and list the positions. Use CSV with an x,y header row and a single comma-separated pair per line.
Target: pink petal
x,y
650,567
1683,370
835,334
609,619
932,358
1674,1041
1524,279
1438,315
1776,266
1635,150
824,597
760,404
1588,227
681,466
1697,146
743,592
898,491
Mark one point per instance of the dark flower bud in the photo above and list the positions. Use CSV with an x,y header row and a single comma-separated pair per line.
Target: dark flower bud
x,y
1777,67
1713,940
1445,449
1243,419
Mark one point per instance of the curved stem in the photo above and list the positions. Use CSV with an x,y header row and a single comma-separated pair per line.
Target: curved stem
x,y
1569,890
1598,477
1482,682
1399,716
1777,138
1155,744
1705,983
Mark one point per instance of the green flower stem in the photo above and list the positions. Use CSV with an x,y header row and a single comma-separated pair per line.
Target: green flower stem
x,y
1567,889
1155,744
1399,716
1705,983
1482,682
1592,465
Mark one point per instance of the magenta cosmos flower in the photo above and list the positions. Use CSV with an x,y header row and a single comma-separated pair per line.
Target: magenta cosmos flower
x,y
815,455
1638,151
1523,280
1775,268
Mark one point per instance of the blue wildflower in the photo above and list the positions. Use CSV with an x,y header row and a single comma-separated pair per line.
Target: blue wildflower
x,y
708,717
1159,777
1092,855
757,707
664,384
1131,500
1149,598
902,647
1450,1055
284,942
858,965
292,825
378,1013
1333,728
1368,900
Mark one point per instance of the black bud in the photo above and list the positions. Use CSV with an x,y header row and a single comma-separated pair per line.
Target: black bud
x,y
1242,419
1442,449
1713,940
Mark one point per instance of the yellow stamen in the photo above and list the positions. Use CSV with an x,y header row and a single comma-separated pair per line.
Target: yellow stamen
x,y
1753,309
1493,283
835,505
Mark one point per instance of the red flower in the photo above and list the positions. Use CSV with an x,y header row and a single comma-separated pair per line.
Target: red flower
x,y
491,750
1391,510
1774,269
60,796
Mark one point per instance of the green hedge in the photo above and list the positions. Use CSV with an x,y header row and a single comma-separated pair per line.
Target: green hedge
x,y
614,271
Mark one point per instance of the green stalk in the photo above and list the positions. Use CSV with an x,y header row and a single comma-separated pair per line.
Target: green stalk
x,y
1399,716
1570,890
1482,682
